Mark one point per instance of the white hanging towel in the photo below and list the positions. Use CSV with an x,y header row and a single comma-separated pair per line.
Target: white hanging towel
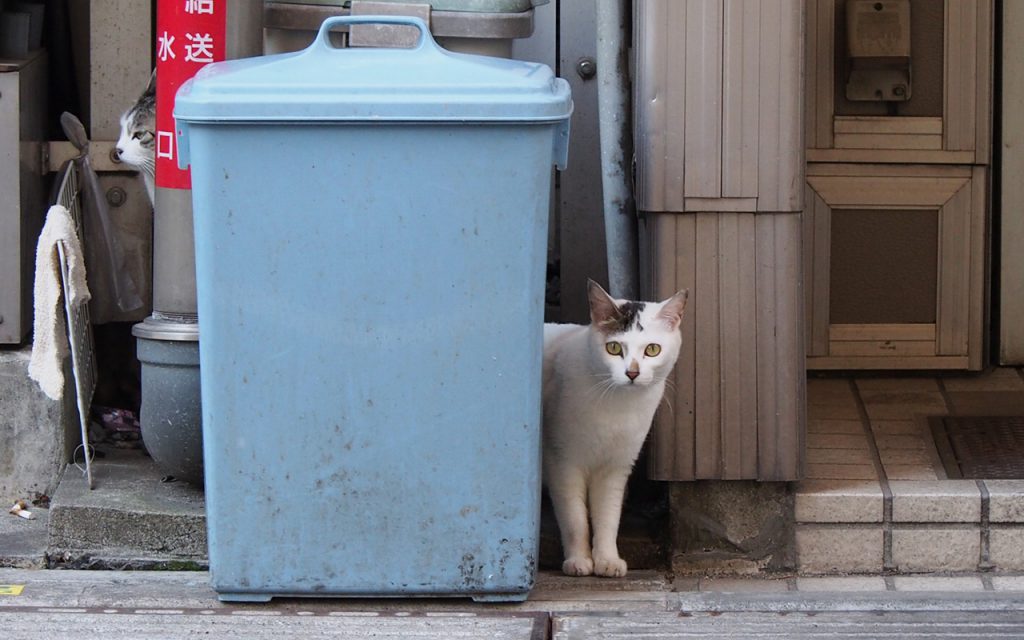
x,y
49,333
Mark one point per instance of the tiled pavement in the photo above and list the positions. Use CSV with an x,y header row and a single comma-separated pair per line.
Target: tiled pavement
x,y
877,498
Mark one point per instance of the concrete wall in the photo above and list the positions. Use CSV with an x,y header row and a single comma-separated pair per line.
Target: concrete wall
x,y
37,435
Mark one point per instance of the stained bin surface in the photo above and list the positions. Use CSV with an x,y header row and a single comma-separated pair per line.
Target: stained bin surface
x,y
370,249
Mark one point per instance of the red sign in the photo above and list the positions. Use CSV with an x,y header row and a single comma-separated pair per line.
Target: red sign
x,y
189,35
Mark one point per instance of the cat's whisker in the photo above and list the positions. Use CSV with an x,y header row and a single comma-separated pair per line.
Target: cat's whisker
x,y
608,388
666,401
602,387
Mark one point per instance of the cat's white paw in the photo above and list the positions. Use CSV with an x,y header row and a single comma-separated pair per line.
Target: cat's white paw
x,y
578,566
610,567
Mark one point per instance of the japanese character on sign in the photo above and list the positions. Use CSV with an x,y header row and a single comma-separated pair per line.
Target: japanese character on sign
x,y
201,49
199,6
164,47
165,144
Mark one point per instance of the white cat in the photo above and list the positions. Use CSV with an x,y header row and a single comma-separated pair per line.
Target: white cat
x,y
602,384
136,144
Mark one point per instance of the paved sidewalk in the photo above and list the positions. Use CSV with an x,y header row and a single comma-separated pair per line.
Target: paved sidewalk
x,y
89,604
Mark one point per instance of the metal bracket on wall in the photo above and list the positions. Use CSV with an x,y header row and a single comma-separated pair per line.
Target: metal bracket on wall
x,y
102,156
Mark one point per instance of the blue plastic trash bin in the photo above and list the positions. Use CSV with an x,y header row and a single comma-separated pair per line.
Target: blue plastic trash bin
x,y
371,230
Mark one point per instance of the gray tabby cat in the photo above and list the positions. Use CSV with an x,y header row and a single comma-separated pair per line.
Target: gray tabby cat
x,y
601,385
136,144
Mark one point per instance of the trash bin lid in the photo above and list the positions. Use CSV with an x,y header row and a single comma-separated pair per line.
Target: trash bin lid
x,y
324,83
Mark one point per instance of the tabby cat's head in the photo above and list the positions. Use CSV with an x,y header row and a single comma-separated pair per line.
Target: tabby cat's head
x,y
638,341
136,146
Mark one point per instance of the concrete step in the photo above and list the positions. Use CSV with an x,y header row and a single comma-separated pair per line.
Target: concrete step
x,y
135,520
23,542
132,519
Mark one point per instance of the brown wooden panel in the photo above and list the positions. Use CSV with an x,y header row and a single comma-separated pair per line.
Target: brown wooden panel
x,y
737,403
884,348
876,133
660,105
978,297
703,70
747,309
792,371
705,205
920,156
817,239
894,125
960,70
909,363
767,355
730,345
737,345
954,274
983,83
672,238
686,373
740,89
875,141
781,344
885,190
811,112
707,406
1011,196
821,64
891,171
851,332
780,105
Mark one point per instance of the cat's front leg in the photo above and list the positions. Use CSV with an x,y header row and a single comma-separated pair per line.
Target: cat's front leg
x,y
606,493
568,491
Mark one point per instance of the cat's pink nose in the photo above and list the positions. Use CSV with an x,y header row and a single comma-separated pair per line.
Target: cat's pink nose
x,y
632,374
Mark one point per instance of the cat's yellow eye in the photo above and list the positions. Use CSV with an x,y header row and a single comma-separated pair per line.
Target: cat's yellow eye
x,y
652,350
613,348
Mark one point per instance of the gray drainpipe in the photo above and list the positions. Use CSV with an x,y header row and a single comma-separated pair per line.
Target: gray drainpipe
x,y
168,341
613,100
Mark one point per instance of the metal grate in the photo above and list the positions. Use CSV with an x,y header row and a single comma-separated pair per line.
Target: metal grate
x,y
984,447
83,363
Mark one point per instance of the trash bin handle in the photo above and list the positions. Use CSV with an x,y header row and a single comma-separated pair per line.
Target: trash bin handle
x,y
426,40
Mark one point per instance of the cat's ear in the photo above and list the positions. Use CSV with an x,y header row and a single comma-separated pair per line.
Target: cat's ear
x,y
151,87
672,309
603,310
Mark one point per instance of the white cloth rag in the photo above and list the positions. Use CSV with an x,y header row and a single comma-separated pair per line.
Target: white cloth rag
x,y
49,333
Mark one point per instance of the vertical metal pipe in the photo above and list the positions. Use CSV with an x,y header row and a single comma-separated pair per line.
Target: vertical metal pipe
x,y
613,97
174,278
168,341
